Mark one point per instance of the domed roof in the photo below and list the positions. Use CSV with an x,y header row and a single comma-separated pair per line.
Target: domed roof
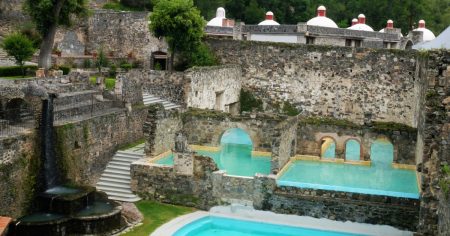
x,y
269,19
427,34
321,19
361,24
218,20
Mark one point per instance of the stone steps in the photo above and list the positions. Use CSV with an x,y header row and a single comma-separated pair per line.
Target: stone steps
x,y
149,99
115,180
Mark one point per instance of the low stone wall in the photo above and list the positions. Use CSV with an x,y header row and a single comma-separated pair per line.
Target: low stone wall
x,y
160,129
86,147
312,130
342,206
19,173
284,144
207,187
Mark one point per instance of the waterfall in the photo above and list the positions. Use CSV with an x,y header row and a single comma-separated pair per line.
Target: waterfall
x,y
47,144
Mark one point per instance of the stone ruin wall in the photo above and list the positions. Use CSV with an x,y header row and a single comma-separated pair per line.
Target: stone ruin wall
x,y
86,147
284,144
359,84
311,132
207,82
19,167
433,153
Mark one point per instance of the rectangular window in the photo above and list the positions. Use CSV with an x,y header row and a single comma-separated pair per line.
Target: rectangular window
x,y
348,42
310,40
358,43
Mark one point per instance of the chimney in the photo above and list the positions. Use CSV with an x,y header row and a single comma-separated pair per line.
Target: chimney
x,y
421,24
321,11
390,24
269,15
361,19
354,21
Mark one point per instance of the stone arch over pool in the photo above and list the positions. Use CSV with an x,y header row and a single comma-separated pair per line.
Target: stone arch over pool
x,y
236,136
382,151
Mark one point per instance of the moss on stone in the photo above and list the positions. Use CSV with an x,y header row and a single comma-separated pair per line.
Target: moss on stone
x,y
289,109
200,113
248,102
391,126
185,199
130,145
320,120
444,182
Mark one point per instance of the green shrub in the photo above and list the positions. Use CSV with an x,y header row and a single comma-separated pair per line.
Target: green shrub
x,y
16,70
87,63
248,101
29,30
102,60
112,71
201,56
126,66
20,47
158,66
65,69
289,109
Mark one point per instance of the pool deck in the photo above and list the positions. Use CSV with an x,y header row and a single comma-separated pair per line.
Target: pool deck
x,y
249,214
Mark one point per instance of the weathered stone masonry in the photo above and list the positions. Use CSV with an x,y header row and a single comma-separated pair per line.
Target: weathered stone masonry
x,y
346,83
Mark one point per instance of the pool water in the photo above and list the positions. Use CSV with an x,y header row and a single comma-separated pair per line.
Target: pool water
x,y
220,226
236,159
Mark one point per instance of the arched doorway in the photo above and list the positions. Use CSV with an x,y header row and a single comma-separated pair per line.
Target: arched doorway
x,y
382,152
327,148
352,150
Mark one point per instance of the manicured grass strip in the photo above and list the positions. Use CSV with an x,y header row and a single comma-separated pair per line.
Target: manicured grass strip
x,y
110,83
130,145
155,215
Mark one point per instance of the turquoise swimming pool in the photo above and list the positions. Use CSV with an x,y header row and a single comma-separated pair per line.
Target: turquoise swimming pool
x,y
220,226
236,159
379,179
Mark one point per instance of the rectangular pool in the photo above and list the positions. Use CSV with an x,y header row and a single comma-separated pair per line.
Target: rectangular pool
x,y
376,180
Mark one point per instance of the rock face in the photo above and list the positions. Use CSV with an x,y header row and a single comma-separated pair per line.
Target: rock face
x,y
353,84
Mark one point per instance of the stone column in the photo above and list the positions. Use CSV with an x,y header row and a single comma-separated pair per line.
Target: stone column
x,y
183,158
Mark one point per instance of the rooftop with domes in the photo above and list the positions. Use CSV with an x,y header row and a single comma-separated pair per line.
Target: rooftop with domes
x,y
321,19
361,25
428,35
269,19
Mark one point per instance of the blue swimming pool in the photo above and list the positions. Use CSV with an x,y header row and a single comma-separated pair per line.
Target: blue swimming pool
x,y
220,226
236,159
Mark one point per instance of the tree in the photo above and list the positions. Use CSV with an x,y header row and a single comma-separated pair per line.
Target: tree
x,y
19,47
180,23
48,15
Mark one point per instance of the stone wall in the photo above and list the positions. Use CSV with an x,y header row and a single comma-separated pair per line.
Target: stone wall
x,y
348,83
208,187
312,130
161,183
434,151
284,144
215,88
160,129
19,173
122,34
206,127
86,147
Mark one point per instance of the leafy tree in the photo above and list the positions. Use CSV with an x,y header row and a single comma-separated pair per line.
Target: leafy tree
x,y
19,47
254,13
180,23
102,60
200,56
48,15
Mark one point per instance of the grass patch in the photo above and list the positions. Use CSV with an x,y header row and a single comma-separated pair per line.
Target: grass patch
x,y
130,145
117,6
155,215
110,82
16,77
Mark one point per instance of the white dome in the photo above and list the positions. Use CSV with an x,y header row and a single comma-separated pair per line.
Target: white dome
x,y
427,34
362,27
269,19
322,21
218,20
268,22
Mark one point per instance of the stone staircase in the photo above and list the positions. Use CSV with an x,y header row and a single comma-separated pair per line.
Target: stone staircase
x,y
115,180
152,99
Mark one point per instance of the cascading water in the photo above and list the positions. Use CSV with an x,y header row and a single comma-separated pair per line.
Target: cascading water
x,y
48,150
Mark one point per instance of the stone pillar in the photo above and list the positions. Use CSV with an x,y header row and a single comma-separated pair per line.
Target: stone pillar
x,y
183,158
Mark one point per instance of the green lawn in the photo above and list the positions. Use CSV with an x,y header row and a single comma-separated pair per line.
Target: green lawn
x,y
155,215
15,77
109,82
